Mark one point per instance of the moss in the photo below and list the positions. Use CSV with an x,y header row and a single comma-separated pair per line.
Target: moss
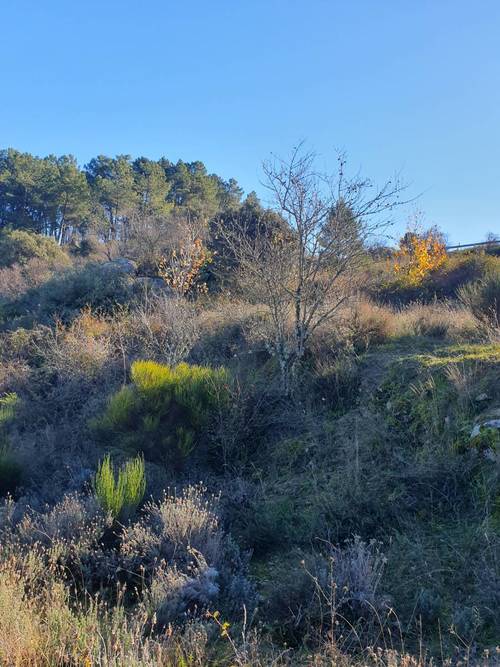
x,y
432,397
454,354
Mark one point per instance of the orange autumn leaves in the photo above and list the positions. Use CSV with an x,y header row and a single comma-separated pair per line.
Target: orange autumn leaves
x,y
418,255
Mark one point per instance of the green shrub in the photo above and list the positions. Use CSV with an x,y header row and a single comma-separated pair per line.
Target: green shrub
x,y
7,408
165,410
18,247
120,496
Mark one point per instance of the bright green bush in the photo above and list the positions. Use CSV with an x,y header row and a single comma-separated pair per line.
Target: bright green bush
x,y
7,408
164,412
120,496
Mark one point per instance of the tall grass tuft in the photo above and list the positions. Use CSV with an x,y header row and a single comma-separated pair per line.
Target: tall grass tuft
x,y
120,496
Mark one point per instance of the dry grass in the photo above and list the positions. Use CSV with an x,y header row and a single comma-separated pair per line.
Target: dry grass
x,y
370,323
40,626
161,328
437,320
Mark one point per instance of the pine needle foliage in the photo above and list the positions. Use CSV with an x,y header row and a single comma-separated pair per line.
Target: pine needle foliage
x,y
120,495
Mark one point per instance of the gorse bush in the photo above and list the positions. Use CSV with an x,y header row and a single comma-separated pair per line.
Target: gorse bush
x,y
165,410
120,496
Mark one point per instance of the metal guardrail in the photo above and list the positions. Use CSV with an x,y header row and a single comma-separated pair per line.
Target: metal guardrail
x,y
472,245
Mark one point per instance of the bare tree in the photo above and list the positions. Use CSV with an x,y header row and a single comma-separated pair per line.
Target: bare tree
x,y
305,269
149,238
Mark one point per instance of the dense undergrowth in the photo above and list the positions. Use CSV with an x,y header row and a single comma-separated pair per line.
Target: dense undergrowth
x,y
355,521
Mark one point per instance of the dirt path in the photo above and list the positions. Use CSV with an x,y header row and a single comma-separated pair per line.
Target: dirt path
x,y
362,424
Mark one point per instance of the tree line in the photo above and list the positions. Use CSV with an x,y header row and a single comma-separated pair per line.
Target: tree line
x,y
53,196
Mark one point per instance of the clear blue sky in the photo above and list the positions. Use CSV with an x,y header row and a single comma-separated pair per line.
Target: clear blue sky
x,y
397,84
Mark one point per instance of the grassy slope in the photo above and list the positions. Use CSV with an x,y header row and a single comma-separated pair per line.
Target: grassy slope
x,y
399,467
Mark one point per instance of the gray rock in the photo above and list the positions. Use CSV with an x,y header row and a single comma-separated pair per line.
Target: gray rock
x,y
123,265
154,284
492,423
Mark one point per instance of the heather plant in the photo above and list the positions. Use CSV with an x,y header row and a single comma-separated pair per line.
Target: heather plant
x,y
161,328
120,495
332,591
165,410
181,550
74,524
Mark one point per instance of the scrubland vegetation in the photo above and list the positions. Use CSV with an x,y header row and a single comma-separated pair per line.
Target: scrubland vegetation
x,y
232,435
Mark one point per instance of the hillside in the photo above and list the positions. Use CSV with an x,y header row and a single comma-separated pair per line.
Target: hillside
x,y
192,474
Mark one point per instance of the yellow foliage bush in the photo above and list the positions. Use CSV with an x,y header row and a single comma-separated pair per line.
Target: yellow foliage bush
x,y
418,255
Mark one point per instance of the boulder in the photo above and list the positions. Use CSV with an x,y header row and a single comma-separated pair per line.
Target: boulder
x,y
123,265
153,284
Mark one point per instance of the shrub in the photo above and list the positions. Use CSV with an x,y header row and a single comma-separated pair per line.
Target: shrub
x,y
99,286
332,591
163,328
180,548
83,350
50,615
19,247
418,255
459,269
75,523
444,282
483,298
165,410
120,496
